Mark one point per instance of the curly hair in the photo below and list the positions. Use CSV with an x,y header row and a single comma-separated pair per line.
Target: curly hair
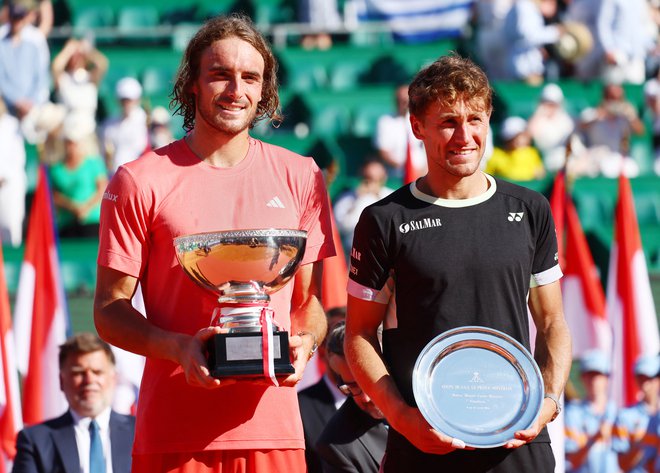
x,y
216,29
446,80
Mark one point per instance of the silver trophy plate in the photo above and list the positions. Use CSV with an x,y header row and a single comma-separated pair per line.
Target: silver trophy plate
x,y
478,385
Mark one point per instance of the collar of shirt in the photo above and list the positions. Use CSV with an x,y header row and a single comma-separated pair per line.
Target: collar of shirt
x,y
81,428
338,396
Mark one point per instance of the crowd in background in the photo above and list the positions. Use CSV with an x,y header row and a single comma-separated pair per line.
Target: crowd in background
x,y
54,102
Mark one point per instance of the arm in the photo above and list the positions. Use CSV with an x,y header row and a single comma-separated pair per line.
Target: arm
x,y
306,316
118,323
553,352
365,359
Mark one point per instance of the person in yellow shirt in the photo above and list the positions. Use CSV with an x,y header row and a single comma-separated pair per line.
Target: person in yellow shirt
x,y
515,159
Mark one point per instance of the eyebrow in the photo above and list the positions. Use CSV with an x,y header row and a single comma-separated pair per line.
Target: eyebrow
x,y
218,68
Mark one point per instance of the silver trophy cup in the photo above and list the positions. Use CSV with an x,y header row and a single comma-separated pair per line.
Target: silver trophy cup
x,y
243,267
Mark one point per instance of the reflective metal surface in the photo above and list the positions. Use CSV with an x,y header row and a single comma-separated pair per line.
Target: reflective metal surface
x,y
478,385
242,265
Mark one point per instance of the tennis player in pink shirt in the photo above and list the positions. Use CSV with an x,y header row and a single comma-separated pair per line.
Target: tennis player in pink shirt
x,y
216,178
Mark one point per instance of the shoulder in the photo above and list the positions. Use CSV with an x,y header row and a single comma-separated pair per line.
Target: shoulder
x,y
124,419
516,191
283,156
46,428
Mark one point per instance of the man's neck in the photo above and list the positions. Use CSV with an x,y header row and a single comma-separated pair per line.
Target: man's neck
x,y
445,186
219,150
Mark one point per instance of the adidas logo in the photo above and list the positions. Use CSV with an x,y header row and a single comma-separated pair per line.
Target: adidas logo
x,y
515,216
275,202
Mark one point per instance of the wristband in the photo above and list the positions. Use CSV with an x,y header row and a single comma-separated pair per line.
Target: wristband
x,y
315,346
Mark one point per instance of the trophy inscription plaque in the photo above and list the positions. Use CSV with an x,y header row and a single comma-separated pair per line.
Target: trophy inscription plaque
x,y
243,267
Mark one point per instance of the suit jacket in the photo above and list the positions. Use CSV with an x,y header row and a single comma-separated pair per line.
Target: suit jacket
x,y
353,441
50,447
317,406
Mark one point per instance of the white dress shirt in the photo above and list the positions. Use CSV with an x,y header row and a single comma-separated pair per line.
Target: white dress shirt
x,y
81,427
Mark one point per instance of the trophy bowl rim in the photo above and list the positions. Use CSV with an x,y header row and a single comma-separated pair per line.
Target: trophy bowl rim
x,y
182,240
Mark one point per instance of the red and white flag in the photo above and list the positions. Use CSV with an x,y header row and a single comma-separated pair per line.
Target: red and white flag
x,y
631,310
335,274
410,170
10,401
582,290
40,315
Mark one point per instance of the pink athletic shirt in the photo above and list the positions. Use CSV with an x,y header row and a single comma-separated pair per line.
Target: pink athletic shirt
x,y
168,193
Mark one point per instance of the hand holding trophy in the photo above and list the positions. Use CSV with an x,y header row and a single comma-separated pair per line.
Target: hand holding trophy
x,y
243,267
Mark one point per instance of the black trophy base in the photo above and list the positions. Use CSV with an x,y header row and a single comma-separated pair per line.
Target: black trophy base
x,y
240,355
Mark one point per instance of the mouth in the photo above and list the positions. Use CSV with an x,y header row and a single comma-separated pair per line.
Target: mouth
x,y
231,107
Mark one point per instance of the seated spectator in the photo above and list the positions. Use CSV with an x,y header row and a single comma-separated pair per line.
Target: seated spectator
x,y
78,181
354,439
160,133
13,179
606,132
394,135
550,127
125,137
516,159
89,436
77,72
589,422
350,204
632,437
24,60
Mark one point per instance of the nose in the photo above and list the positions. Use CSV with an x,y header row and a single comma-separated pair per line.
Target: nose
x,y
234,88
462,133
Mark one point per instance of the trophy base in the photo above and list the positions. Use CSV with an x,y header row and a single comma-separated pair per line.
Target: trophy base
x,y
240,354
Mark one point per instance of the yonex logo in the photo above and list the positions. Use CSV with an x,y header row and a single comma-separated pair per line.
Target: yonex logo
x,y
515,216
419,224
275,202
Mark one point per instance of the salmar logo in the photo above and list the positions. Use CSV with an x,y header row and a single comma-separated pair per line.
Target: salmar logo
x,y
422,224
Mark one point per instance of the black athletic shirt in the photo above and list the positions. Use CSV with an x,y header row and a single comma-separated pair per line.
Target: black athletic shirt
x,y
451,263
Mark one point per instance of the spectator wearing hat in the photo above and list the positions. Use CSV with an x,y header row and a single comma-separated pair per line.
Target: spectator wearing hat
x,y
589,422
633,441
24,60
516,158
78,181
126,137
550,127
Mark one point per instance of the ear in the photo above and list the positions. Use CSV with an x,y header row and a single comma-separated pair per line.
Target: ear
x,y
417,127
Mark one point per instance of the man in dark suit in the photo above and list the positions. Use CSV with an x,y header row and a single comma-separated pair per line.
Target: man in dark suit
x,y
89,437
320,401
355,437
